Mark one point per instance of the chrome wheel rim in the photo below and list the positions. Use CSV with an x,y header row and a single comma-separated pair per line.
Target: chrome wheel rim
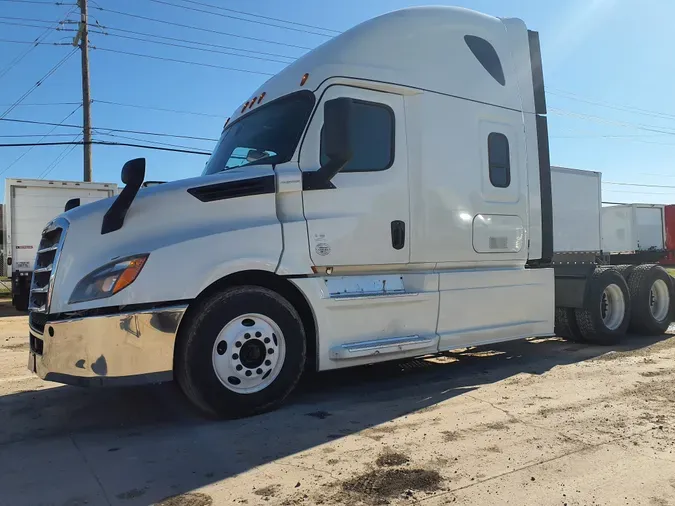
x,y
612,307
659,300
248,353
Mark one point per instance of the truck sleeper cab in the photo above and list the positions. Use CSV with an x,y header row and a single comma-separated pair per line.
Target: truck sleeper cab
x,y
388,195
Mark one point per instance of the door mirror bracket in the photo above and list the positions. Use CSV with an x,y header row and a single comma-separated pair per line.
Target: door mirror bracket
x,y
337,145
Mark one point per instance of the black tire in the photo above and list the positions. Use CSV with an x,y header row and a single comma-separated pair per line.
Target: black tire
x,y
590,319
566,324
20,301
640,285
195,344
625,271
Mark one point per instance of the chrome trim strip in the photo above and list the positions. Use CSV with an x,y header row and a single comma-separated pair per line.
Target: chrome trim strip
x,y
370,296
56,223
383,346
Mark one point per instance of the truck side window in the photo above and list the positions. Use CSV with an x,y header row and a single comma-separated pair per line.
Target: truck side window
x,y
499,160
372,137
487,56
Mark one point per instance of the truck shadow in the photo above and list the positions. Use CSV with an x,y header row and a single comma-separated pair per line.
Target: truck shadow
x,y
155,424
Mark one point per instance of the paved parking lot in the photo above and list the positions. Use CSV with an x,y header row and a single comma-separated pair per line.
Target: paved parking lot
x,y
536,422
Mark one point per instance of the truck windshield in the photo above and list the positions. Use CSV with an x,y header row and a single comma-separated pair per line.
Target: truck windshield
x,y
268,135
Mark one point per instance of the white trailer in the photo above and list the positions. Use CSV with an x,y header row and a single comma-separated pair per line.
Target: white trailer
x,y
385,196
577,208
633,228
29,205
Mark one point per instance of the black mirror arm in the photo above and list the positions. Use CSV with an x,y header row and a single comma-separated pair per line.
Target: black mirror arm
x,y
321,179
133,174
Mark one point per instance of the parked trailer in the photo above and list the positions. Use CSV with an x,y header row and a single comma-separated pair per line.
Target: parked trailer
x,y
669,259
29,205
634,233
388,195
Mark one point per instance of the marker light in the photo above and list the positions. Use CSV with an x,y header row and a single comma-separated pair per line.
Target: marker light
x,y
245,106
262,95
304,79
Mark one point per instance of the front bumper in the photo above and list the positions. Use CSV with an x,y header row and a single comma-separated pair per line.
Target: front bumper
x,y
121,349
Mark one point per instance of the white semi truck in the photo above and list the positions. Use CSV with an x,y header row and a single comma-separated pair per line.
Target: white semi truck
x,y
388,195
29,205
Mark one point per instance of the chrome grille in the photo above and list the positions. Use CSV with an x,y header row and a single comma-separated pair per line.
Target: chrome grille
x,y
46,261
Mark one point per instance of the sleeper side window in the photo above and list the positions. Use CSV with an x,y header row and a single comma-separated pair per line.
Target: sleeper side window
x,y
499,160
371,132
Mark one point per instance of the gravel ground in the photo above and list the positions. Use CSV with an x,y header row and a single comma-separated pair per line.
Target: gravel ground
x,y
538,422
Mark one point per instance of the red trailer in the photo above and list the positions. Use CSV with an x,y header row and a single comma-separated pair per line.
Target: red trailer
x,y
669,215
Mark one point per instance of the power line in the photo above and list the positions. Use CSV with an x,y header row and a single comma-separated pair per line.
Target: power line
x,y
106,143
20,136
46,21
37,40
261,16
175,60
220,116
640,185
107,28
189,47
127,137
36,43
38,83
638,126
140,132
146,18
59,158
12,23
625,108
42,104
35,2
230,16
48,133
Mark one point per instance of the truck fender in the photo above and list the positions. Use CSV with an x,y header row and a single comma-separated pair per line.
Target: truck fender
x,y
233,266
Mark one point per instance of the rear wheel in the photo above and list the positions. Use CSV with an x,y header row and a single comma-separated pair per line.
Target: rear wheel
x,y
566,324
20,300
651,291
241,352
625,271
607,313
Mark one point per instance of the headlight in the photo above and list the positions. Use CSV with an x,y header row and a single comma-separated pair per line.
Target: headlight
x,y
109,279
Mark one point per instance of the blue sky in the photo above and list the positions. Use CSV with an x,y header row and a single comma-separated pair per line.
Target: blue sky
x,y
608,69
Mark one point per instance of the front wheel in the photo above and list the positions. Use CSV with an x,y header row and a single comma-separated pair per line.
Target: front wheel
x,y
241,352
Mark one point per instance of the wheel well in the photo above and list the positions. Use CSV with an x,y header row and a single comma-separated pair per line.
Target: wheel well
x,y
274,282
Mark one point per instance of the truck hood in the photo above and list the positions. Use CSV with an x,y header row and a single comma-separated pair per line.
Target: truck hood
x,y
189,228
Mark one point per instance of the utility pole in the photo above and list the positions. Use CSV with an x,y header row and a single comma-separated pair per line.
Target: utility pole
x,y
83,38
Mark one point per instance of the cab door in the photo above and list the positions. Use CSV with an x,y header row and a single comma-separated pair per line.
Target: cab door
x,y
363,217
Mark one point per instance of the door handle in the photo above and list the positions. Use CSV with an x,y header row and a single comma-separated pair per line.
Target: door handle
x,y
397,234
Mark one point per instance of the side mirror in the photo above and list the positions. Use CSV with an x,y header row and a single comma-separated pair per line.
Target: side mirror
x,y
133,174
71,204
254,155
336,144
